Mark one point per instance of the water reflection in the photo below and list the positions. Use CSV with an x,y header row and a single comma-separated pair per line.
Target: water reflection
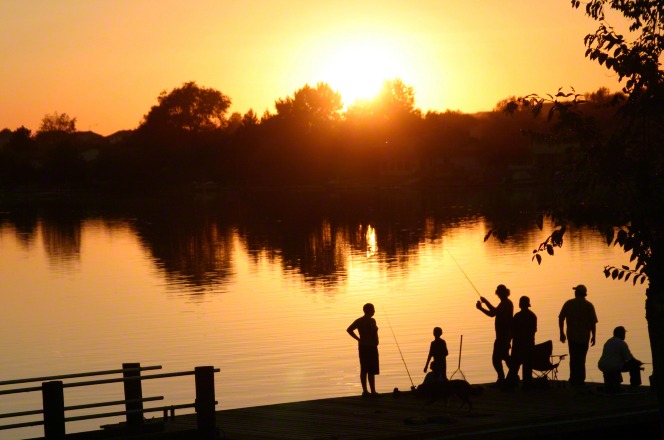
x,y
192,241
192,247
61,236
263,285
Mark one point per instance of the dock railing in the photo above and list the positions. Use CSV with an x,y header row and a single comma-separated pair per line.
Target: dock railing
x,y
54,409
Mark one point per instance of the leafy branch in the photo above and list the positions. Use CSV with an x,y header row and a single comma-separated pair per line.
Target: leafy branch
x,y
624,273
552,241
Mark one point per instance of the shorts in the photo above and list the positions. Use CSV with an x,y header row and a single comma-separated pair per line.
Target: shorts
x,y
368,359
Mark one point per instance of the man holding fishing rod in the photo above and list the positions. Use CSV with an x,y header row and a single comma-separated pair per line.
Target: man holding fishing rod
x,y
368,348
503,324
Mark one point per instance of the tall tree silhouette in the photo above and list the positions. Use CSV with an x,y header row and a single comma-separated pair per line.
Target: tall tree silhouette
x,y
395,100
181,139
311,105
57,122
189,108
296,142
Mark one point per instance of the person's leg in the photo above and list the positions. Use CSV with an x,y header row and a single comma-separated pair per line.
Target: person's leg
x,y
612,382
372,367
577,362
527,370
583,352
364,364
514,364
497,359
372,383
573,360
512,378
506,354
634,369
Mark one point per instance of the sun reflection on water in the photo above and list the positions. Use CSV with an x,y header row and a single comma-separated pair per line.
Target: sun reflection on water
x,y
372,243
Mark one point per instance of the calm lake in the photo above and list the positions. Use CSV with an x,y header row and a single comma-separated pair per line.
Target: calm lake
x,y
264,285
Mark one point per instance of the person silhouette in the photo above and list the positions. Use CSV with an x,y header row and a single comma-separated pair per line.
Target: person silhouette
x,y
524,327
503,325
616,359
367,344
434,375
437,352
581,327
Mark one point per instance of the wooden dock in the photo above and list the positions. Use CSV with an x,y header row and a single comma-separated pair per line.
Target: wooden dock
x,y
555,412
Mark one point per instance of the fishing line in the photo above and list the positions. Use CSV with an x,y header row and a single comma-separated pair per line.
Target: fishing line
x,y
464,273
399,348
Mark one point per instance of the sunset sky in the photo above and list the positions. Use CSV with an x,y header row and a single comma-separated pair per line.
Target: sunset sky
x,y
105,62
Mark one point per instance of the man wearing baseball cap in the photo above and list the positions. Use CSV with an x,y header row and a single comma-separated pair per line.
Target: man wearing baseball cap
x,y
617,358
581,327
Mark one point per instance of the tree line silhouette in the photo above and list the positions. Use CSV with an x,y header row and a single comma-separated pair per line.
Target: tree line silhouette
x,y
311,139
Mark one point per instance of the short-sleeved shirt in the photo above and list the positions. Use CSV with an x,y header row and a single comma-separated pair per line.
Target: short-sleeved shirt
x,y
580,316
368,330
524,327
614,355
438,350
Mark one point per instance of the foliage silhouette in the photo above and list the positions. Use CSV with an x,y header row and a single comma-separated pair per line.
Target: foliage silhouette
x,y
57,122
616,169
189,108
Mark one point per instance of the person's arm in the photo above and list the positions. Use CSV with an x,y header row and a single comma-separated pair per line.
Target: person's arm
x,y
429,357
593,329
489,311
561,324
351,331
426,366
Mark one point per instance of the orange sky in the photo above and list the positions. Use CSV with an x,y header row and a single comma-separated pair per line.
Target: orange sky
x,y
105,62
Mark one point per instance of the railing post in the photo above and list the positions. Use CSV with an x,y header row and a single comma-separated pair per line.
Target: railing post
x,y
133,390
53,401
205,402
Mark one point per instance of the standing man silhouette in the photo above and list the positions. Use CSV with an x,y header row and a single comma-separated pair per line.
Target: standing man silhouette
x,y
581,327
367,344
503,324
524,327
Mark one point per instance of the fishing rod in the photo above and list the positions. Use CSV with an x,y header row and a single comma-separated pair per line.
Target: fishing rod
x,y
464,273
399,348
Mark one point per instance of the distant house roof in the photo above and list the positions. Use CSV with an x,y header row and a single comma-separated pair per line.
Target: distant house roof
x,y
88,136
119,136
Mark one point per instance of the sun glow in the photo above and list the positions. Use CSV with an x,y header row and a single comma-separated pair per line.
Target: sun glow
x,y
358,70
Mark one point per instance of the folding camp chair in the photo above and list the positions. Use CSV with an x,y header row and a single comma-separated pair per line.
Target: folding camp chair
x,y
544,368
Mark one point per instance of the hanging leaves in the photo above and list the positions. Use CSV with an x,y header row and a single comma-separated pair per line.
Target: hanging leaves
x,y
625,273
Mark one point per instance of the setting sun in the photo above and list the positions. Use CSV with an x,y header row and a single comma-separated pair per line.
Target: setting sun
x,y
465,58
357,71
